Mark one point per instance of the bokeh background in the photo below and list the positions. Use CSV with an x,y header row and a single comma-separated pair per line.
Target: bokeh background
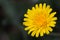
x,y
11,18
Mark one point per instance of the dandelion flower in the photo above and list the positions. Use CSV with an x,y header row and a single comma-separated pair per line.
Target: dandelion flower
x,y
39,20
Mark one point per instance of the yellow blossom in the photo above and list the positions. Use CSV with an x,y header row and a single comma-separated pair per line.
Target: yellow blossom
x,y
39,20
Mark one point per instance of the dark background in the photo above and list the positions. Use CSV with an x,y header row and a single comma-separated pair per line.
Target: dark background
x,y
11,18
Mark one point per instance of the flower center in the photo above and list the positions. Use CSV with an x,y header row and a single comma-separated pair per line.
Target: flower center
x,y
40,20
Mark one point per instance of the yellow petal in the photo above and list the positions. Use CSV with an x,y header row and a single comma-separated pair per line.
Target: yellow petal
x,y
33,33
28,11
27,28
49,10
37,33
53,22
50,29
52,25
33,8
41,33
48,7
32,29
44,6
25,15
40,6
27,24
36,6
25,19
52,14
54,18
46,31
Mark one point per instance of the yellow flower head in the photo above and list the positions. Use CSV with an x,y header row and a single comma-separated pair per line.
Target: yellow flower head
x,y
39,20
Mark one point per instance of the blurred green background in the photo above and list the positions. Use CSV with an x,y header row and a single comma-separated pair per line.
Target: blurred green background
x,y
11,18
